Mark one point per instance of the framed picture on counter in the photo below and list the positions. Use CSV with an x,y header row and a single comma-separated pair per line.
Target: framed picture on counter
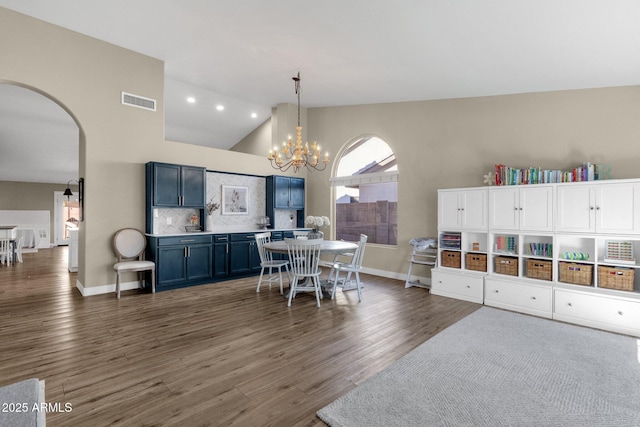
x,y
235,200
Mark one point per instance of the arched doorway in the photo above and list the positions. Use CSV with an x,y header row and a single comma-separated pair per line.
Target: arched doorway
x,y
39,141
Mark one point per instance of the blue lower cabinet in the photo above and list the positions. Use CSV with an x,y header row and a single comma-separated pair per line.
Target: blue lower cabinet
x,y
244,256
182,261
220,256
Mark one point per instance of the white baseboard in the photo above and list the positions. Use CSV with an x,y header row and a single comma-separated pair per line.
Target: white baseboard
x,y
126,286
106,289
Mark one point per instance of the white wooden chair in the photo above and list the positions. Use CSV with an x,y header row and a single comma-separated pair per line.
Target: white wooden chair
x,y
267,262
19,244
352,268
301,234
5,251
129,245
304,256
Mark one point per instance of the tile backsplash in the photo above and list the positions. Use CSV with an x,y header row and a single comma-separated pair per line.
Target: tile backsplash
x,y
256,187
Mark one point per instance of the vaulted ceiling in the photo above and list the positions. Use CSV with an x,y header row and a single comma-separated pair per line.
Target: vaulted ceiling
x,y
242,54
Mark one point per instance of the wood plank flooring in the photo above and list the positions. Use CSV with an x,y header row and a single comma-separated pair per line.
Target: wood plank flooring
x,y
212,355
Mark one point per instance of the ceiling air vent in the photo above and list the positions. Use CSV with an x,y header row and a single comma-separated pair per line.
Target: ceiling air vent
x,y
138,101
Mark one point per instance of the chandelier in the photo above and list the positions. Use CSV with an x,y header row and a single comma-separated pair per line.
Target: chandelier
x,y
298,155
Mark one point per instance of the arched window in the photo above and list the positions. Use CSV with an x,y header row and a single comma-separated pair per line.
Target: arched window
x,y
366,192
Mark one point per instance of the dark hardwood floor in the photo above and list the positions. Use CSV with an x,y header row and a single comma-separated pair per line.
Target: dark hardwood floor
x,y
217,354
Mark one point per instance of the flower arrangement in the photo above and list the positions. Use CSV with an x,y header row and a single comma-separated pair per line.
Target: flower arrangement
x,y
317,221
212,207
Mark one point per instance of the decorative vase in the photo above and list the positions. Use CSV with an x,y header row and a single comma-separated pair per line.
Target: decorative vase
x,y
316,234
209,222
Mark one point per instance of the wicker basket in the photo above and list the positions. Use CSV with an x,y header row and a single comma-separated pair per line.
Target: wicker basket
x,y
615,278
451,259
539,269
476,262
578,274
506,265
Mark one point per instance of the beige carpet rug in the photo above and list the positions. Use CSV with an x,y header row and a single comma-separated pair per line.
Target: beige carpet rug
x,y
498,368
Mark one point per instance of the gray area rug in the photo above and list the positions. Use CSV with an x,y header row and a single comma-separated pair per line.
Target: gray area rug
x,y
498,368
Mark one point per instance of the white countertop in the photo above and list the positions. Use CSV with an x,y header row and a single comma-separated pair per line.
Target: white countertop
x,y
227,230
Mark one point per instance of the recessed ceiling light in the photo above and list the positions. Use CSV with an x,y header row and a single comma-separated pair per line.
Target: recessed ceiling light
x,y
254,115
191,100
220,107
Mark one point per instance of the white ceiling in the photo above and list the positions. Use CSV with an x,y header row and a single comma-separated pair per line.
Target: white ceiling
x,y
243,53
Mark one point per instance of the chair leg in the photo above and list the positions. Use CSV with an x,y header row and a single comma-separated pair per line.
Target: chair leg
x,y
153,281
118,285
260,280
292,289
318,291
359,287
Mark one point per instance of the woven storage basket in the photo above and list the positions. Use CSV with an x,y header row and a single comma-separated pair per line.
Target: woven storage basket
x,y
476,262
451,259
539,269
615,278
506,265
578,274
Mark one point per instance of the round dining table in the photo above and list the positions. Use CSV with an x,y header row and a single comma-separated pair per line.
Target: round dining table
x,y
332,247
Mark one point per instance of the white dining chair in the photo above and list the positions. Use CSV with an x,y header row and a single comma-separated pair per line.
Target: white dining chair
x,y
267,262
129,245
19,244
301,234
5,251
351,268
304,256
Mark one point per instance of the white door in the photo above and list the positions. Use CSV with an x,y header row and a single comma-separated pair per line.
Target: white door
x,y
617,208
536,208
448,210
504,208
575,208
474,209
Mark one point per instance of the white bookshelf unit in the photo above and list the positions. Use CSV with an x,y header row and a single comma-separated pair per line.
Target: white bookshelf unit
x,y
562,251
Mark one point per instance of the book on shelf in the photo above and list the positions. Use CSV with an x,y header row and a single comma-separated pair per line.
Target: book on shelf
x,y
506,175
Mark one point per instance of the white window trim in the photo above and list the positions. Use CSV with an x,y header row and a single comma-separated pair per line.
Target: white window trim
x,y
368,178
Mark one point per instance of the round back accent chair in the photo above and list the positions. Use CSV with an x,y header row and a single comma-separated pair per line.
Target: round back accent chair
x,y
129,245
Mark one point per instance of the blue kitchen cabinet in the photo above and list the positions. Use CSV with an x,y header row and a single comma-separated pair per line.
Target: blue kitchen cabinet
x,y
243,254
176,185
183,260
220,255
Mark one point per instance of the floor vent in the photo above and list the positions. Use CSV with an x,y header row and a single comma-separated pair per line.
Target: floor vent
x,y
138,101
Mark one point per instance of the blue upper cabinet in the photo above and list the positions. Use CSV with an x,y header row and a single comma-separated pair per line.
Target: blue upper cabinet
x,y
287,192
296,193
176,185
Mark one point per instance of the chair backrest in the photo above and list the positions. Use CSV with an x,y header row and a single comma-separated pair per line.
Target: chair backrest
x,y
304,256
300,234
4,246
359,253
129,244
261,239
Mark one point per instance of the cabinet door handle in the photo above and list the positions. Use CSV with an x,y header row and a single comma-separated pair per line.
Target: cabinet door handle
x,y
222,239
520,209
187,241
469,287
496,291
597,208
515,208
533,297
569,304
620,313
591,208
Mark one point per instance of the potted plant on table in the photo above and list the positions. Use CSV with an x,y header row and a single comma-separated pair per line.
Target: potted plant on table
x,y
317,222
